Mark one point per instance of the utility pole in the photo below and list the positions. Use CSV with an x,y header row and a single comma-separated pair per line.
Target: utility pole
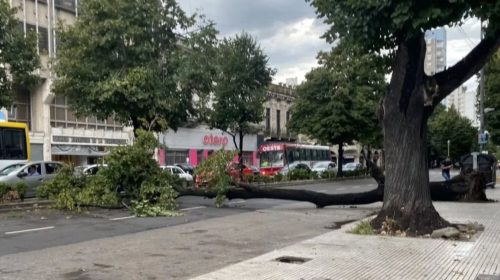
x,y
481,98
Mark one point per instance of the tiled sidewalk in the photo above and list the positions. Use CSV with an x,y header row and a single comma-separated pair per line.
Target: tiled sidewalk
x,y
340,255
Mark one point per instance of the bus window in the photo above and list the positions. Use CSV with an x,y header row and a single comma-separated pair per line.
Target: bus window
x,y
13,143
314,155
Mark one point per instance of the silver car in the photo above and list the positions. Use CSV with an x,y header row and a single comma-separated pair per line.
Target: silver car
x,y
33,174
187,178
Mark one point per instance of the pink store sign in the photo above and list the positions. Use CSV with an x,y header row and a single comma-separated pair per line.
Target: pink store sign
x,y
215,140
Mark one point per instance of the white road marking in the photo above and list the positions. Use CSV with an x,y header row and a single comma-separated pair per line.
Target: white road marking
x,y
28,230
236,202
341,189
356,187
122,218
192,208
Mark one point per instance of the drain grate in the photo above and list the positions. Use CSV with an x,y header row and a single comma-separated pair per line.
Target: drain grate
x,y
294,260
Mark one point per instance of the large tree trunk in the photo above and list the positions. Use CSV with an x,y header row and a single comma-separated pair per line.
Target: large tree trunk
x,y
469,188
407,198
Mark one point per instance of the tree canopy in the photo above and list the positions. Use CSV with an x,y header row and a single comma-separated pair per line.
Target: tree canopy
x,y
18,56
338,101
492,98
450,125
243,76
134,60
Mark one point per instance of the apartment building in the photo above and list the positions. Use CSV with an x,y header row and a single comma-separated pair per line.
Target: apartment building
x,y
56,133
435,57
464,101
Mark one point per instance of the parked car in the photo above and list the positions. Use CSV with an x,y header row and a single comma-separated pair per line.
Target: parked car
x,y
33,174
177,171
297,165
186,167
234,171
352,166
255,169
323,166
91,169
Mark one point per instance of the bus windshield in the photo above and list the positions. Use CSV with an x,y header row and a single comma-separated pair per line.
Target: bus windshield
x,y
271,159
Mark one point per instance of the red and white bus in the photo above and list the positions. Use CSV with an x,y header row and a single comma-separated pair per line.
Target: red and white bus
x,y
274,156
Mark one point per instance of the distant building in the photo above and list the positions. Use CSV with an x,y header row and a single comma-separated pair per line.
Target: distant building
x,y
435,57
279,100
291,82
464,102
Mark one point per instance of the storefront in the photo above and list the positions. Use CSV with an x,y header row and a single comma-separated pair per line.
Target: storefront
x,y
193,145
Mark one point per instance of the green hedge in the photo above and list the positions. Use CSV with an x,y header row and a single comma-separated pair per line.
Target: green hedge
x,y
9,192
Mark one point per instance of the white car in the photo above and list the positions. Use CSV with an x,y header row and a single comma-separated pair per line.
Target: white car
x,y
177,171
89,169
322,166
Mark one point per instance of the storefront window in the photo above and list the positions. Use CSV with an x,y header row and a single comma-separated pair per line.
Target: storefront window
x,y
176,156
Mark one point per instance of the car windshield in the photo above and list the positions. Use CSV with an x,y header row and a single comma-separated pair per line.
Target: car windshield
x,y
321,165
352,164
7,170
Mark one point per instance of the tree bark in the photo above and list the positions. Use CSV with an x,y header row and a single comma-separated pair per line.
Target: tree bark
x,y
340,160
468,188
240,155
407,197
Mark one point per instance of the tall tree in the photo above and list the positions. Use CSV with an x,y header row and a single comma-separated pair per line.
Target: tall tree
x,y
492,97
18,57
134,60
240,85
398,26
449,125
337,102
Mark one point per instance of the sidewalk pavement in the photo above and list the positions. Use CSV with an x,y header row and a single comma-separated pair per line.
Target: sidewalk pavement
x,y
340,255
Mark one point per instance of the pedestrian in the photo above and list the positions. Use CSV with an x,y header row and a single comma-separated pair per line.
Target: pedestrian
x,y
446,166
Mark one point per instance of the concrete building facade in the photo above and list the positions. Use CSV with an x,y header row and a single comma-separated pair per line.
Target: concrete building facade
x,y
55,132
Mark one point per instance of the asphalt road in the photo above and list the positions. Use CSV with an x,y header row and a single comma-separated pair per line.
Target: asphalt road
x,y
22,231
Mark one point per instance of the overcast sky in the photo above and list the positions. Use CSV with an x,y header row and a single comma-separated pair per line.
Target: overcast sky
x,y
289,31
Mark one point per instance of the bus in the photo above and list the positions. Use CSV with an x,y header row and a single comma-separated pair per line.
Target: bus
x,y
274,156
14,142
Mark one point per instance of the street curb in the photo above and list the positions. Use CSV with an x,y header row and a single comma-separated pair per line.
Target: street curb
x,y
309,182
25,205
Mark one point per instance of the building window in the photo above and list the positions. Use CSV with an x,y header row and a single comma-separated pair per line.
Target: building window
x,y
21,107
268,120
67,5
278,122
61,116
287,119
176,156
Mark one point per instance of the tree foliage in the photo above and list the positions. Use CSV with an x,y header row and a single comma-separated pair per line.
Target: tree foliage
x,y
135,60
449,125
18,57
397,28
337,102
243,76
132,177
492,98
378,25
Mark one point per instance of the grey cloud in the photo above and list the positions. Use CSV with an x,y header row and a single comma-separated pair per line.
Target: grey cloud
x,y
233,16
